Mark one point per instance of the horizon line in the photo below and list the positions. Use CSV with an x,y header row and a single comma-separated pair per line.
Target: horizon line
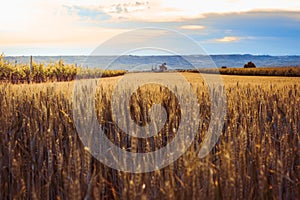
x,y
147,55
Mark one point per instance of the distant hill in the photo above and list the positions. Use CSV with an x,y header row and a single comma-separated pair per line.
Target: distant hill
x,y
131,62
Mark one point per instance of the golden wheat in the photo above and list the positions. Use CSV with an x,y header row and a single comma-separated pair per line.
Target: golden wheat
x,y
257,155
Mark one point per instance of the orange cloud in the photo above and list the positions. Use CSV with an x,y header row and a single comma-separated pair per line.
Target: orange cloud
x,y
192,27
228,39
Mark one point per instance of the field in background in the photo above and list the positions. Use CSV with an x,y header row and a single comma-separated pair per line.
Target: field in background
x,y
261,71
257,156
59,71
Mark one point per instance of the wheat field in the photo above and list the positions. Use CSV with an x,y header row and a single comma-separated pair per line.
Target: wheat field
x,y
256,157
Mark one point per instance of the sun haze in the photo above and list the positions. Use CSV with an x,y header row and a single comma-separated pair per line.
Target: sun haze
x,y
53,27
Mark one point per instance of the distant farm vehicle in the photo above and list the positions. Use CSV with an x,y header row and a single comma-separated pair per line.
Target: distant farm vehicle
x,y
161,68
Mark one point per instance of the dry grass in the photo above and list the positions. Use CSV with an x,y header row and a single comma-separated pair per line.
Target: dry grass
x,y
257,156
261,71
42,72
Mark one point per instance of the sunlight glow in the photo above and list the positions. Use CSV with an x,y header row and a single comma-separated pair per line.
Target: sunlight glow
x,y
85,21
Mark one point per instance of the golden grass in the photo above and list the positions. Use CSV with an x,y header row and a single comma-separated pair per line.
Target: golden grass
x,y
257,156
261,71
42,72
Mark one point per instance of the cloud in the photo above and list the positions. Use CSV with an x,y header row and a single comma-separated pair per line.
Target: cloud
x,y
144,11
92,12
126,7
178,10
224,24
192,27
228,39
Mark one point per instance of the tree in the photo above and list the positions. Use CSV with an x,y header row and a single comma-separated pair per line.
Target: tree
x,y
250,65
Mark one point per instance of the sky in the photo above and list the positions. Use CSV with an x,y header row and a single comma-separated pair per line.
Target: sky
x,y
78,27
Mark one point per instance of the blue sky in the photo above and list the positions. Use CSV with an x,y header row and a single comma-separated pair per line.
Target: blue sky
x,y
77,27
